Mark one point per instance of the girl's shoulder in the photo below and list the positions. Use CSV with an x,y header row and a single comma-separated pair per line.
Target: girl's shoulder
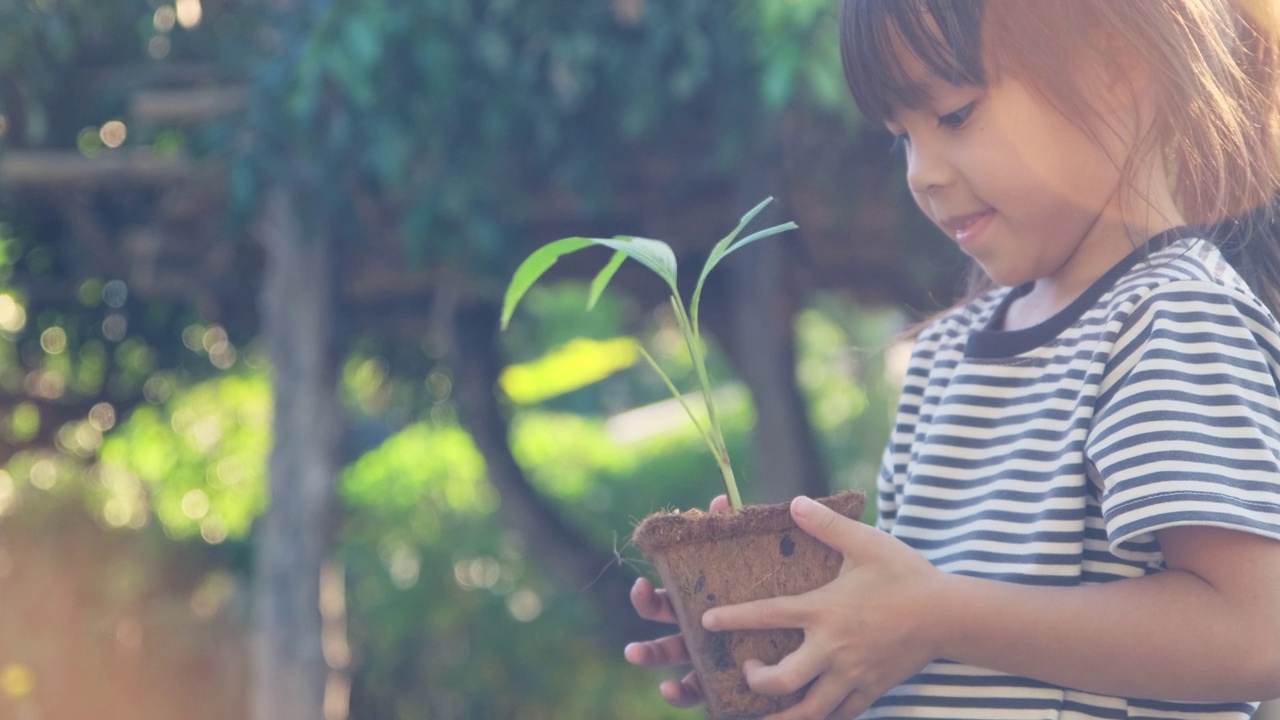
x,y
1189,276
1189,264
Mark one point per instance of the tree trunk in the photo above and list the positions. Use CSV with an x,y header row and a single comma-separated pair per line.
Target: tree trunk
x,y
763,349
294,535
755,320
555,545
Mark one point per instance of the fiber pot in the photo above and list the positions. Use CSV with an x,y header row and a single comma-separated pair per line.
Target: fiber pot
x,y
707,560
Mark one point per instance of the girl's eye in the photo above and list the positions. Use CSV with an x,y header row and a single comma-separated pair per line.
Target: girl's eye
x,y
958,118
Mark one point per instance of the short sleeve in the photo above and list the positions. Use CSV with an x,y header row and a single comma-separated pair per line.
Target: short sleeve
x,y
1187,425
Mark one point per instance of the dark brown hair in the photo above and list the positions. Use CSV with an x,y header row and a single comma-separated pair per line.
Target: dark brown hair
x,y
1213,67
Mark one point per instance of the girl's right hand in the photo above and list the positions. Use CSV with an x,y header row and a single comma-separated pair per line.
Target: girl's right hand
x,y
653,604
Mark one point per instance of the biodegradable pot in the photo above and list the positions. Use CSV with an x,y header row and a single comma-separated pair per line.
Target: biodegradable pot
x,y
707,560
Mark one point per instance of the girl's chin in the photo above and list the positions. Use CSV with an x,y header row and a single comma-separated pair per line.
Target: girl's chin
x,y
1004,276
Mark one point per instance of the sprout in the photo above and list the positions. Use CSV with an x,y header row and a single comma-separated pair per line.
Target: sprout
x,y
658,257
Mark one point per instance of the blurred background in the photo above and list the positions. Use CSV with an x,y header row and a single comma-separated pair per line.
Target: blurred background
x,y
263,451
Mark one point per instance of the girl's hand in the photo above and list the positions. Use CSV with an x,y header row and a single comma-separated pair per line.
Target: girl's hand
x,y
864,632
653,604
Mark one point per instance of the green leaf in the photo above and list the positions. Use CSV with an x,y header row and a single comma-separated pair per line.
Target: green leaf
x,y
726,246
721,248
768,232
653,254
533,267
602,279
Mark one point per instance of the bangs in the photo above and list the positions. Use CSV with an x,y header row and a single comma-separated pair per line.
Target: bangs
x,y
946,37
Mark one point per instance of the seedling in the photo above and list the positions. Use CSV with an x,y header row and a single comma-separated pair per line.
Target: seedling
x,y
658,257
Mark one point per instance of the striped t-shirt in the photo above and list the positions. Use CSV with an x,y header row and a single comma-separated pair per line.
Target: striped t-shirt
x,y
1050,455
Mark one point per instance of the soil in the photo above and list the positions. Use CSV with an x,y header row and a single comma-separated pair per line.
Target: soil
x,y
706,560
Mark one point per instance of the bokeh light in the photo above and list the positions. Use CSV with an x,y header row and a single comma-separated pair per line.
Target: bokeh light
x,y
102,416
113,133
164,18
115,293
13,317
53,340
158,47
8,493
189,13
17,681
524,605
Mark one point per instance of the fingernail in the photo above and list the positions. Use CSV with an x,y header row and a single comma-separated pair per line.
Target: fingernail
x,y
802,505
709,620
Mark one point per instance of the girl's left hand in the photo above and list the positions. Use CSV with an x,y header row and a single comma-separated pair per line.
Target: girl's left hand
x,y
864,632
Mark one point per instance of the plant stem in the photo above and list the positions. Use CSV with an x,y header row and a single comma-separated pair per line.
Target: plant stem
x,y
716,437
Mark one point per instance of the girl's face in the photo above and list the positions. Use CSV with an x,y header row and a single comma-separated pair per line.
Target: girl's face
x,y
1018,186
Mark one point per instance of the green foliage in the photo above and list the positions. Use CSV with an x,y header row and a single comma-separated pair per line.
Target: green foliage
x,y
579,363
451,111
798,53
199,460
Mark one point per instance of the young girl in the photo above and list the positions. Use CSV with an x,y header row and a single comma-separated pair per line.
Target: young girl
x,y
1080,502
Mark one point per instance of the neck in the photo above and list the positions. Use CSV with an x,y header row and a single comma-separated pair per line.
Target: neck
x,y
1134,215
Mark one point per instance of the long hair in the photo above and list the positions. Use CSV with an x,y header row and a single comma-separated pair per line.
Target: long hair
x,y
1212,68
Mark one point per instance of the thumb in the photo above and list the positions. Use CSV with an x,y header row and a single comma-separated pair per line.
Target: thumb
x,y
850,537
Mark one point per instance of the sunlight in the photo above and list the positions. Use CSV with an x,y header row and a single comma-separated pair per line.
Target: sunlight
x,y
213,529
189,13
158,47
114,327
53,340
8,494
13,317
195,504
164,18
17,681
524,605
113,133
102,416
43,474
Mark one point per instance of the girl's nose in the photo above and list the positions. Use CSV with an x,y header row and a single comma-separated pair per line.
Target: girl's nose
x,y
927,168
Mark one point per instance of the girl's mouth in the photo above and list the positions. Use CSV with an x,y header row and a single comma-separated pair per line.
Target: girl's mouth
x,y
966,228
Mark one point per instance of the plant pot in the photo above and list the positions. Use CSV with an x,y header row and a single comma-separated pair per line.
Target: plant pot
x,y
707,560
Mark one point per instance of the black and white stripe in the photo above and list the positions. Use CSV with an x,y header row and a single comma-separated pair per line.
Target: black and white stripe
x,y
1052,455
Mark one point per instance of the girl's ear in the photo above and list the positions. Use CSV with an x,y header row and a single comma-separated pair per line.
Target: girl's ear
x,y
1121,65
1125,77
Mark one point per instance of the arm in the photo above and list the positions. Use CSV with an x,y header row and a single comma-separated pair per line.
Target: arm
x,y
1207,629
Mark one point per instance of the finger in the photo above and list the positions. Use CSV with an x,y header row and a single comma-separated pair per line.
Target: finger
x,y
652,603
789,675
683,693
660,653
786,611
720,504
821,701
829,527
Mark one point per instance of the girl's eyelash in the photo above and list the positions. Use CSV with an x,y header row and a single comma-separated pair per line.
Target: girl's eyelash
x,y
958,118
952,120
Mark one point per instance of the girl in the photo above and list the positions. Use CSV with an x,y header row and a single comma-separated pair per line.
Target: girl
x,y
1080,502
